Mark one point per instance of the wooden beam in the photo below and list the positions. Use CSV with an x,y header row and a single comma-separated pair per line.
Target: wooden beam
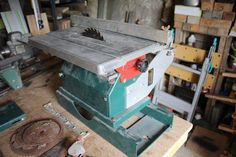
x,y
229,74
221,98
226,128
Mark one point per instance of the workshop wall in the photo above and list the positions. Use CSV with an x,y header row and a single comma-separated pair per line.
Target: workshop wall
x,y
145,12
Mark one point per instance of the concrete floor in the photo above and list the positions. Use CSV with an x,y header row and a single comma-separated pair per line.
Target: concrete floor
x,y
185,152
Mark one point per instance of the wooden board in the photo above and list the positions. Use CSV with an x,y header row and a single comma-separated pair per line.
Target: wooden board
x,y
33,27
226,7
195,28
193,20
221,98
63,24
216,60
209,81
31,99
178,24
189,54
207,6
229,16
215,23
228,74
180,18
182,74
227,128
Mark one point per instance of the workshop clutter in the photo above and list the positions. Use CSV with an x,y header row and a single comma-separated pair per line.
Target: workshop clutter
x,y
212,18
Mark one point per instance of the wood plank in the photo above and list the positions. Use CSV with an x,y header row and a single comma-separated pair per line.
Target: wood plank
x,y
215,31
209,81
33,27
229,16
166,145
226,7
193,19
182,74
63,24
217,14
59,11
207,14
216,60
228,74
221,98
178,36
124,28
189,54
178,24
227,128
207,5
180,18
195,28
215,23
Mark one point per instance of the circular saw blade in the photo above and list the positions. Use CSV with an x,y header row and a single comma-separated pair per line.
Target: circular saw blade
x,y
34,137
93,33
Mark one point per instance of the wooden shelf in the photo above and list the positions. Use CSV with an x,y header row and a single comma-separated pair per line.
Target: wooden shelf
x,y
226,128
221,98
229,74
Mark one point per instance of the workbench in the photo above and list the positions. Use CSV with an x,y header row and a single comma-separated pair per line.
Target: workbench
x,y
42,90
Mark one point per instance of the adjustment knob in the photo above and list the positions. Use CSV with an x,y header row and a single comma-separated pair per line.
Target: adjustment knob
x,y
142,65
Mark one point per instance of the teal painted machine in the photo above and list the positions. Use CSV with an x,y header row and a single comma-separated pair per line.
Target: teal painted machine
x,y
105,82
10,73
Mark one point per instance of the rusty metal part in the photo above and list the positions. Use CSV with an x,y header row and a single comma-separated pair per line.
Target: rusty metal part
x,y
35,137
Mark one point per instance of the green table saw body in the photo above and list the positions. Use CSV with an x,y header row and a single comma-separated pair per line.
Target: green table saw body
x,y
101,106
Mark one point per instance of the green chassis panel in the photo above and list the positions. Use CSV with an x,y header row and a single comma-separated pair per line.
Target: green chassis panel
x,y
108,99
12,77
102,107
130,140
10,114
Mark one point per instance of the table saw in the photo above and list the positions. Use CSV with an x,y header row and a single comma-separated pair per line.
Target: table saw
x,y
110,69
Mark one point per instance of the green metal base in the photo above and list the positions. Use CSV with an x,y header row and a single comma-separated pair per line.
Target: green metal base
x,y
9,115
12,77
133,140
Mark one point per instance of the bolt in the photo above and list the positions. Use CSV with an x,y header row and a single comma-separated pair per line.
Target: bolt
x,y
61,74
169,53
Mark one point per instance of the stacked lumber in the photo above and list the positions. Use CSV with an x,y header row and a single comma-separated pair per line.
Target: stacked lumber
x,y
212,18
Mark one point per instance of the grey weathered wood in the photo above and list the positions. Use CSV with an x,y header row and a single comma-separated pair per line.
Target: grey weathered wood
x,y
124,28
116,44
100,57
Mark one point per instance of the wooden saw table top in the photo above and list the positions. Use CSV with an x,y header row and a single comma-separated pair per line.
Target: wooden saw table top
x,y
42,91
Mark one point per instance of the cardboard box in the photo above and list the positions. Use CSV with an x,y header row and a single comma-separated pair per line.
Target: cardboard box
x,y
180,18
217,14
226,7
178,24
207,6
215,23
207,14
193,20
195,28
187,10
218,31
229,16
63,24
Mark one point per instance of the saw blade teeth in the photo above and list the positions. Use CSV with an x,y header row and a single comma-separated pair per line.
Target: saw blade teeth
x,y
93,33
